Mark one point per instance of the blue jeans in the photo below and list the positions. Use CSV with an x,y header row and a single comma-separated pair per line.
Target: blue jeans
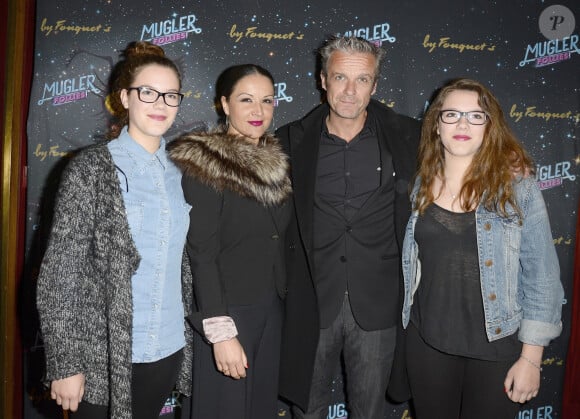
x,y
367,356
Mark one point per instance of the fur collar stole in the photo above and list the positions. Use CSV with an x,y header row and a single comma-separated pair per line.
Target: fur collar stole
x,y
224,161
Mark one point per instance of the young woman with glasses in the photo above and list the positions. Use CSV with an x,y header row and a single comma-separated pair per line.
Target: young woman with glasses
x,y
112,296
483,295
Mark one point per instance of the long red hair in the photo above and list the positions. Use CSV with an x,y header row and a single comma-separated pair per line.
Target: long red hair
x,y
500,159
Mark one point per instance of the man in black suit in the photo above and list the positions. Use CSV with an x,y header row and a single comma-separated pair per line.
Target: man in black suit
x,y
352,159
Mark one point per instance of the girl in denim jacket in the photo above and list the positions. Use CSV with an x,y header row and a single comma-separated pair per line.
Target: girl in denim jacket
x,y
482,289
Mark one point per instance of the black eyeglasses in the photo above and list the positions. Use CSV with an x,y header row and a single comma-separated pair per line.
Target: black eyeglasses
x,y
149,95
450,116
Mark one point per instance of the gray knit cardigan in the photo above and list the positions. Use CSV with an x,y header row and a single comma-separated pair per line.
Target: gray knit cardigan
x,y
84,288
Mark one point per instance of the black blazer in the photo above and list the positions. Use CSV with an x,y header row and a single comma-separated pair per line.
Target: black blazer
x,y
235,246
239,196
400,136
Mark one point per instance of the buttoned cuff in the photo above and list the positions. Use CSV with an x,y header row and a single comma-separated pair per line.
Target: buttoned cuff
x,y
219,328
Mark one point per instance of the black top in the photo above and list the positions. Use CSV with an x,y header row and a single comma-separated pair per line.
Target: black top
x,y
448,307
347,172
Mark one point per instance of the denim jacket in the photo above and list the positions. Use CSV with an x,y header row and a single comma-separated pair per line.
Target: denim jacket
x,y
518,268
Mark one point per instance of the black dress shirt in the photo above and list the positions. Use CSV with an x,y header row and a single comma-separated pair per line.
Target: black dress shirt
x,y
348,172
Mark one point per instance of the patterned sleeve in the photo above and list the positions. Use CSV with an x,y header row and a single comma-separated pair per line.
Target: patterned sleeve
x,y
61,290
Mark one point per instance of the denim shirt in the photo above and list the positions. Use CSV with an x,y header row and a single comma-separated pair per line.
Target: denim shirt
x,y
158,219
518,268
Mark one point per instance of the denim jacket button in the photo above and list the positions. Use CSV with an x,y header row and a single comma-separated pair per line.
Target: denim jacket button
x,y
488,263
498,331
487,226
492,296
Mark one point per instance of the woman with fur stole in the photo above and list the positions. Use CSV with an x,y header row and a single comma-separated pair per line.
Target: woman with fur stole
x,y
236,180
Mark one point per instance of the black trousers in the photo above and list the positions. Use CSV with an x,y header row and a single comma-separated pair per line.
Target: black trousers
x,y
447,386
216,396
151,385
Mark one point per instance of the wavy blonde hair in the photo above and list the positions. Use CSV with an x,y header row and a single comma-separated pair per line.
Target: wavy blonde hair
x,y
500,159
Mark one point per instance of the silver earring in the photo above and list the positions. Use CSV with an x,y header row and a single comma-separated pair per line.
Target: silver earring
x,y
273,124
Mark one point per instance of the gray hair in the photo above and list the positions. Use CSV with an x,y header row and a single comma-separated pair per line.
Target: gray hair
x,y
350,45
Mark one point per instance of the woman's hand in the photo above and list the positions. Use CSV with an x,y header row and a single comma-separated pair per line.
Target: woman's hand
x,y
68,392
522,382
230,358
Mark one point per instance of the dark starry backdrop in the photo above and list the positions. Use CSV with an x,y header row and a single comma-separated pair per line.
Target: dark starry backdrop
x,y
413,69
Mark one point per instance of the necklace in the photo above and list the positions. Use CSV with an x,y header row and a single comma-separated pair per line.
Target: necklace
x,y
451,194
